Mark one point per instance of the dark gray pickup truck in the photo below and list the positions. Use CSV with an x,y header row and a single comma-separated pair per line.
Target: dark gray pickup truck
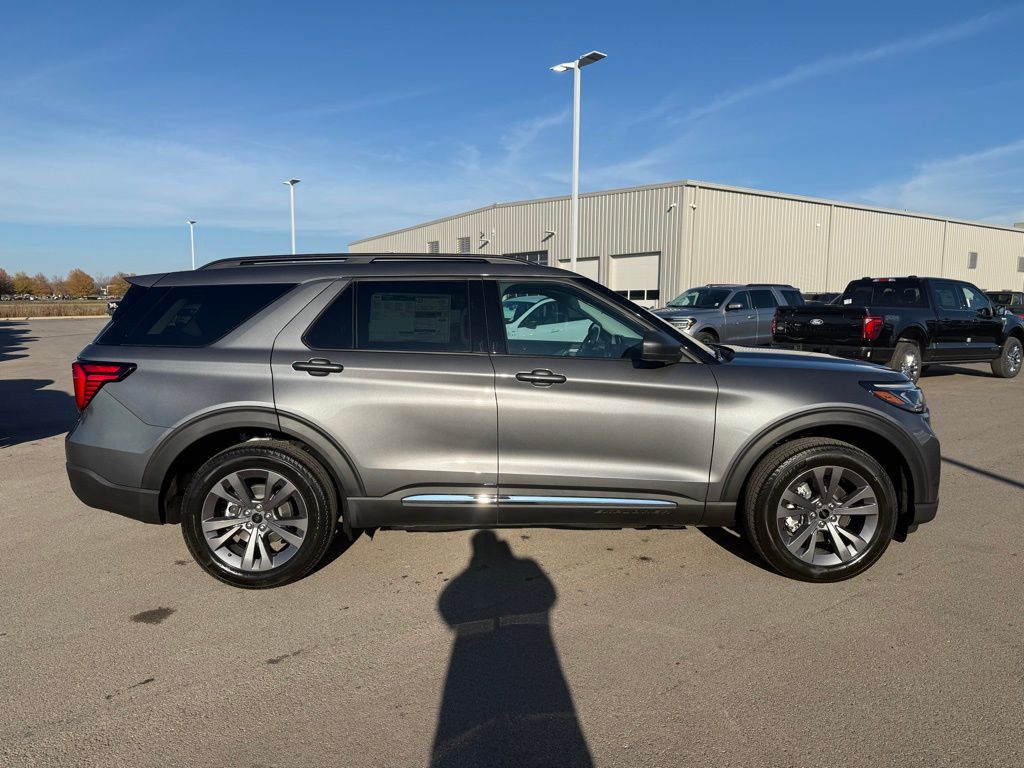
x,y
907,323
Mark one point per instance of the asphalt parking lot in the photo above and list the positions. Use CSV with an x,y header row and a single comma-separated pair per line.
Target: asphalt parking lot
x,y
658,648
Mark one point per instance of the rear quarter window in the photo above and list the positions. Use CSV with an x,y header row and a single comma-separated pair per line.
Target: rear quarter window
x,y
186,316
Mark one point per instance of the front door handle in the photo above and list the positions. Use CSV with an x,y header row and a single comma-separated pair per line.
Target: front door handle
x,y
541,377
318,366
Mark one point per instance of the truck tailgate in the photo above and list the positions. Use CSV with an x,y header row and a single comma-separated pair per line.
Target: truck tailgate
x,y
828,324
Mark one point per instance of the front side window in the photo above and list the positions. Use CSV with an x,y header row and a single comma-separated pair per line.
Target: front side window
x,y
741,300
973,298
564,321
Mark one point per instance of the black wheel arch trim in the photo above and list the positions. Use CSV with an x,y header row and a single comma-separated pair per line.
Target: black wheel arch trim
x,y
170,448
759,445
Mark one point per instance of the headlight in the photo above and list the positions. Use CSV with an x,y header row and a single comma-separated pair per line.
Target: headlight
x,y
903,395
686,323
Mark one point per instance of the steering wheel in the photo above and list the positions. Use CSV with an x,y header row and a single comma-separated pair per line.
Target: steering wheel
x,y
594,342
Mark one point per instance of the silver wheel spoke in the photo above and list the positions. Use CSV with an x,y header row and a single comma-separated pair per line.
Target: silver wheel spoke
x,y
797,501
239,487
221,492
840,546
833,486
250,551
858,543
859,495
219,523
864,509
812,546
281,495
819,480
266,561
799,539
217,543
284,533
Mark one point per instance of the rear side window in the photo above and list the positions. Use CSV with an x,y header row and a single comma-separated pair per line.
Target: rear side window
x,y
889,293
947,296
763,299
185,316
422,316
793,298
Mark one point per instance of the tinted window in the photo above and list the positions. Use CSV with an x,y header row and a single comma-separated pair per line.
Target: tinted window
x,y
793,298
186,316
421,316
333,329
947,296
742,298
763,299
567,322
888,293
973,298
700,298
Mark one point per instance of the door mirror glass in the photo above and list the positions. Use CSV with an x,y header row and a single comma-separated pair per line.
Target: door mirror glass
x,y
659,348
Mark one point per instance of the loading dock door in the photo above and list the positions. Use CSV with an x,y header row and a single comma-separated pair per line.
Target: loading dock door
x,y
635,276
589,267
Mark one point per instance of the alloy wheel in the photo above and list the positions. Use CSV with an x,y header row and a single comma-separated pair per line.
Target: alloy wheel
x,y
910,366
1014,357
254,519
828,516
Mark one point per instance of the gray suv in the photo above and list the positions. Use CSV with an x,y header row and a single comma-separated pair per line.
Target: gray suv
x,y
268,404
733,314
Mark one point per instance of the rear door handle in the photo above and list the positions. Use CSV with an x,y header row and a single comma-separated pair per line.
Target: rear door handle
x,y
318,366
541,377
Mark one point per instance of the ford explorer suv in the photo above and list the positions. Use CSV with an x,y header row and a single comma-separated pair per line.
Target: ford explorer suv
x,y
733,314
908,323
268,404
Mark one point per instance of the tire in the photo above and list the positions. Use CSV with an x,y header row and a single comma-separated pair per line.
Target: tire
x,y
266,547
906,359
1010,360
706,337
777,537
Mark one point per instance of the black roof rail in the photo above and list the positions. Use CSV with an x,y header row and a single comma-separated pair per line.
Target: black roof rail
x,y
355,258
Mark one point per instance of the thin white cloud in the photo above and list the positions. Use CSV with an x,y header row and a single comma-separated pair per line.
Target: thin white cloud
x,y
831,64
987,185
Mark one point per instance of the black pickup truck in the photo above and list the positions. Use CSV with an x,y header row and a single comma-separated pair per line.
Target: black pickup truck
x,y
907,323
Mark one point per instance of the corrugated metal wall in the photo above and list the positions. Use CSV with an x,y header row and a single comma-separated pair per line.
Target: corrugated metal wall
x,y
713,233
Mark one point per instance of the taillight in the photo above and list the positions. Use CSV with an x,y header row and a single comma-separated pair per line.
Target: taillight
x,y
775,322
872,327
89,377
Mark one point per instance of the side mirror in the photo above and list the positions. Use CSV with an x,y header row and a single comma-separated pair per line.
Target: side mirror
x,y
733,307
985,312
659,348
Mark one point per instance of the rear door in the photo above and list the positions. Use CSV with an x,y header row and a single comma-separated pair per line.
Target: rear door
x,y
740,320
396,372
765,304
952,323
587,433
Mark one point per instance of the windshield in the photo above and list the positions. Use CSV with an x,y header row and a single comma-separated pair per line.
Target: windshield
x,y
513,309
1001,298
701,298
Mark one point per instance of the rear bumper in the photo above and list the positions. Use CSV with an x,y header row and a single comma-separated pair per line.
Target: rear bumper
x,y
880,355
95,491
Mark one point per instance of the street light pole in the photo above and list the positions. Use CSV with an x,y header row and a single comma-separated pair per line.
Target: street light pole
x,y
192,239
574,201
291,192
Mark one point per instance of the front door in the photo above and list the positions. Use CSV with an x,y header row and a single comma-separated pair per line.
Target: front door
x,y
397,373
984,326
740,320
588,434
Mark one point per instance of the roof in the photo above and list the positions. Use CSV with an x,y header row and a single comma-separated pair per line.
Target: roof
x,y
319,266
699,185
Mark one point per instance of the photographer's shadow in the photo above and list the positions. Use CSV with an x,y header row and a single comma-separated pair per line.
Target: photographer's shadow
x,y
506,701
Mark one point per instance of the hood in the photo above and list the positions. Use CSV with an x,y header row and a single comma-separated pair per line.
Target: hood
x,y
686,312
758,357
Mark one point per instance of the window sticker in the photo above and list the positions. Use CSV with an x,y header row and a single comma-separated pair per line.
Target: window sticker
x,y
423,317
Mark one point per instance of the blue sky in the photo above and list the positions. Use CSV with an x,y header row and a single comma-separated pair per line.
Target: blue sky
x,y
119,121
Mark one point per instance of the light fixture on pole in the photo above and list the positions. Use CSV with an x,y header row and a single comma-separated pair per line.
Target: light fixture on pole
x,y
574,207
192,239
291,190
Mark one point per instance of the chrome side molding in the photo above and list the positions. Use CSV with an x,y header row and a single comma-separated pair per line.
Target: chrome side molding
x,y
549,501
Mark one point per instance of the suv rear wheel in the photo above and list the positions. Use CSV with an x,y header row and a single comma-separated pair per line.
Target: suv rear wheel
x,y
258,515
906,359
820,510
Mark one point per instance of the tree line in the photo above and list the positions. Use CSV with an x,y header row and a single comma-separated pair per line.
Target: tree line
x,y
76,284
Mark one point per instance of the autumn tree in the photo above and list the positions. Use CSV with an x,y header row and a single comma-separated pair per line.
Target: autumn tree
x,y
58,285
117,286
22,283
79,283
6,283
40,285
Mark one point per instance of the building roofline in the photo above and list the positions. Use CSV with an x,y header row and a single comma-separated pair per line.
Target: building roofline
x,y
697,184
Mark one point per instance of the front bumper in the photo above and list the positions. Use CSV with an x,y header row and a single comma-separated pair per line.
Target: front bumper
x,y
95,491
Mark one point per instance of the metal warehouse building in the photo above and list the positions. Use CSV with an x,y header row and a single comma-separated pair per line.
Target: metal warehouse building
x,y
653,242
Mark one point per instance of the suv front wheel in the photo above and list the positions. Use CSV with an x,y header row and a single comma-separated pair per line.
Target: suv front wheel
x,y
820,510
259,515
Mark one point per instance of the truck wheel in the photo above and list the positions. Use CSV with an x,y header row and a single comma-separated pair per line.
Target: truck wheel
x,y
707,337
907,359
261,514
819,510
1010,359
